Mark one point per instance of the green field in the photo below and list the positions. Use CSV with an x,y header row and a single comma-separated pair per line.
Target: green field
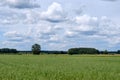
x,y
59,67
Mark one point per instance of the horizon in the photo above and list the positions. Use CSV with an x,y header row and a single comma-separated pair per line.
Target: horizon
x,y
60,24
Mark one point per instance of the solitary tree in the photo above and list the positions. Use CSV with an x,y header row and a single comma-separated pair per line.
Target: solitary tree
x,y
36,49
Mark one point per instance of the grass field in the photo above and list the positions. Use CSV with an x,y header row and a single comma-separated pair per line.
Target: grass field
x,y
59,67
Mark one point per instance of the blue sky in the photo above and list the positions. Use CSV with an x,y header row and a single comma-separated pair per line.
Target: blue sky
x,y
60,24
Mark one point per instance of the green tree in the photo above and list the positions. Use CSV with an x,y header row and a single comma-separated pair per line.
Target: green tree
x,y
36,48
105,52
118,51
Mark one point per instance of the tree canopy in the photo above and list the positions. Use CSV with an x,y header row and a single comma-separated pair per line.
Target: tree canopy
x,y
83,51
8,50
36,48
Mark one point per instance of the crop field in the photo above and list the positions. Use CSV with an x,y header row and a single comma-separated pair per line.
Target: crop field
x,y
59,67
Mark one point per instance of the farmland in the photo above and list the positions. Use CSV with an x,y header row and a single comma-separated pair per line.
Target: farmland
x,y
59,67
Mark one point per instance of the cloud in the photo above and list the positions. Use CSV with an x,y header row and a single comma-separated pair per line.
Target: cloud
x,y
9,16
85,24
15,16
88,30
14,36
92,27
20,4
85,19
54,27
31,17
8,21
54,13
107,27
110,30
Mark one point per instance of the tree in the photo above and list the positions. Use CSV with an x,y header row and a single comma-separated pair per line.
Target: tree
x,y
36,49
118,51
13,51
8,51
105,52
73,51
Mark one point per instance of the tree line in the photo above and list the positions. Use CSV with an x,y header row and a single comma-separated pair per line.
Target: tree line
x,y
36,49
8,50
83,51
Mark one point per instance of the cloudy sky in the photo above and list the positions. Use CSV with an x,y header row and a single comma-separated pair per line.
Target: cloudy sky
x,y
60,24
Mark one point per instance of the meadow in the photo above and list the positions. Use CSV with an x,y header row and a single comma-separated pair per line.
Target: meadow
x,y
59,67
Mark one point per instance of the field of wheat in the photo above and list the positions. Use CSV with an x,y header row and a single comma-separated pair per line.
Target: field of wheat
x,y
59,67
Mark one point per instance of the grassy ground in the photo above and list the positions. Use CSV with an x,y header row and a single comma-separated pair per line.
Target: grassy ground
x,y
59,67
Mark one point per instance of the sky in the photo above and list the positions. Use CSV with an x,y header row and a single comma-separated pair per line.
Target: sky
x,y
60,24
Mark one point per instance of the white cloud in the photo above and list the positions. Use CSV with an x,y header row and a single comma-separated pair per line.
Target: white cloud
x,y
54,13
70,34
20,3
97,28
14,36
12,16
8,21
108,27
50,27
54,38
31,17
86,19
15,16
83,25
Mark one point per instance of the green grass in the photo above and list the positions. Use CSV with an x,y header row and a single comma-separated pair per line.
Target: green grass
x,y
59,67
